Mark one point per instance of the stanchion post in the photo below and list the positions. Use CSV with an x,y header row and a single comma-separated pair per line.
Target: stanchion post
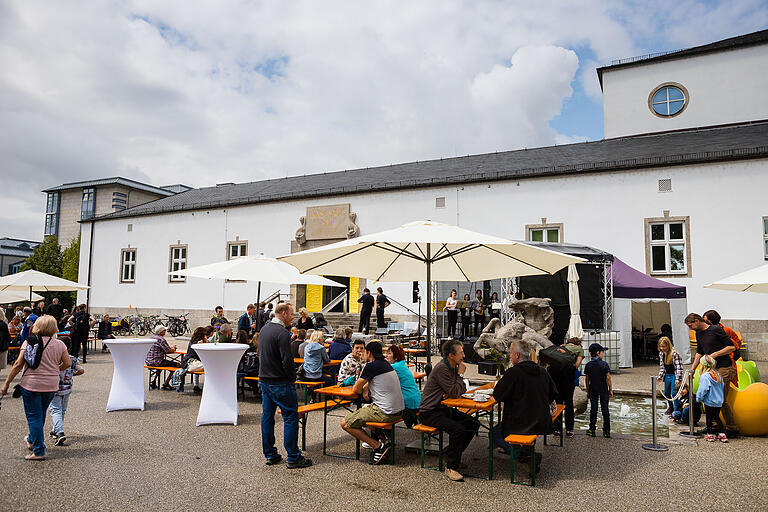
x,y
654,447
691,403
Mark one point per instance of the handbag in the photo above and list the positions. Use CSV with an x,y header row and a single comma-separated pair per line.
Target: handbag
x,y
194,365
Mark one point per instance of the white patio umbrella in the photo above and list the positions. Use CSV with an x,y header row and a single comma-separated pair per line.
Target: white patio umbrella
x,y
431,251
9,297
32,280
754,280
255,268
574,325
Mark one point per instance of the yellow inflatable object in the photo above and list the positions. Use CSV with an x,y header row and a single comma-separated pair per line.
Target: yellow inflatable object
x,y
750,408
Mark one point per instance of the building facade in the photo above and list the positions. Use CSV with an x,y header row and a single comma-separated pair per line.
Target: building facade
x,y
68,204
13,252
683,204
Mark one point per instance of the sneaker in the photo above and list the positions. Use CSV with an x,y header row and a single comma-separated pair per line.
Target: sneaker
x,y
60,439
710,438
722,437
197,390
152,386
303,462
607,435
590,433
365,445
669,411
453,475
380,453
166,387
277,459
569,433
52,434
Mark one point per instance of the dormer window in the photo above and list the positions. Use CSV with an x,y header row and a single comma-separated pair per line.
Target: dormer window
x,y
668,100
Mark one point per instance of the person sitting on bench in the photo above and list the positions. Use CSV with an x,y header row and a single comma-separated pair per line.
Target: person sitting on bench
x,y
526,391
314,357
379,383
156,357
352,365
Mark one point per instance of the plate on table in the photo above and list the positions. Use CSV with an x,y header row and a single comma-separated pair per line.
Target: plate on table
x,y
471,396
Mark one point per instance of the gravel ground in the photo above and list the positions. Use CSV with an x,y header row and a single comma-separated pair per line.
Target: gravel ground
x,y
128,460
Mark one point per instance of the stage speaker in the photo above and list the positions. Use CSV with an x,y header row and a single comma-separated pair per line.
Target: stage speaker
x,y
415,292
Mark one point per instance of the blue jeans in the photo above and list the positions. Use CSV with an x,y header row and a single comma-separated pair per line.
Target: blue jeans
x,y
282,395
593,401
57,409
669,390
35,407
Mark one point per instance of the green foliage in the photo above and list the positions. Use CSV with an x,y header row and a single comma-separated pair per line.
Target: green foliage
x,y
45,258
71,260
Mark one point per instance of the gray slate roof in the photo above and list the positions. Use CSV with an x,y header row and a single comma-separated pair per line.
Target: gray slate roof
x,y
112,181
17,247
743,141
752,39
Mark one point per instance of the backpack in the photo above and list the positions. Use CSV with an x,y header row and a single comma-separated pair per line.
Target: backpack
x,y
33,352
557,357
251,361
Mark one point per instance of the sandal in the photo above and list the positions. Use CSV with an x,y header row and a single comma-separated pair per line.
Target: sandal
x,y
29,445
32,456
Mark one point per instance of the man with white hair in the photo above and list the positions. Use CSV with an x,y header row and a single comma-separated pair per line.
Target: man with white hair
x,y
224,335
156,357
526,390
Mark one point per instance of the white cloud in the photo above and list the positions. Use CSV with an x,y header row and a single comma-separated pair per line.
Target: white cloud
x,y
215,91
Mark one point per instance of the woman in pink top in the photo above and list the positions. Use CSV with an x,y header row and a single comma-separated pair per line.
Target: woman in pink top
x,y
39,385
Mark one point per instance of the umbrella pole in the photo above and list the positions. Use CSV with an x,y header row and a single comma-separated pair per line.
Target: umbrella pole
x,y
429,310
258,311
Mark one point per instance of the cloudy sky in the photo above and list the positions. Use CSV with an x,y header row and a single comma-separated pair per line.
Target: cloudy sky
x,y
214,91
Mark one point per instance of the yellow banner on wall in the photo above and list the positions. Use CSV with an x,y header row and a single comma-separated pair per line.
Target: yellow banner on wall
x,y
354,285
314,298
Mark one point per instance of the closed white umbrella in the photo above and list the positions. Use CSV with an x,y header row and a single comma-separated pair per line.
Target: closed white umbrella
x,y
754,280
32,280
430,251
574,325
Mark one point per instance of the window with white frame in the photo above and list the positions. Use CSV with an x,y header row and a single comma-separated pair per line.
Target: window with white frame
x,y
88,204
177,261
765,237
128,266
236,249
668,246
52,214
544,232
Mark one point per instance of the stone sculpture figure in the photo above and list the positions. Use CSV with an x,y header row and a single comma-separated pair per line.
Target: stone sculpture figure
x,y
353,231
301,233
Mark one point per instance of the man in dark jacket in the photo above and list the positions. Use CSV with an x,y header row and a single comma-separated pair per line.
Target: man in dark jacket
x,y
366,309
56,310
79,335
277,374
247,321
525,390
447,381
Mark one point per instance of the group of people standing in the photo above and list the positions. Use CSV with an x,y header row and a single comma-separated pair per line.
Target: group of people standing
x,y
473,312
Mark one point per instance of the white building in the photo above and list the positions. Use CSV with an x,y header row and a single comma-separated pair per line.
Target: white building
x,y
678,196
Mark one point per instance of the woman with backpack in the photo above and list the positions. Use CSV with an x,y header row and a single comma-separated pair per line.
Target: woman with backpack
x,y
41,358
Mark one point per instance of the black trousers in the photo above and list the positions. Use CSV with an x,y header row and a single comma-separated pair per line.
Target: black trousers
x,y
461,429
75,344
365,321
714,423
380,318
479,324
453,317
593,401
564,382
465,321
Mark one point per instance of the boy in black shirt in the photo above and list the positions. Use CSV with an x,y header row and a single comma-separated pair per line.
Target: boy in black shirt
x,y
599,386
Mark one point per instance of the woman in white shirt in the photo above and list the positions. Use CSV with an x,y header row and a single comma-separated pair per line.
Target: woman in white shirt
x,y
452,312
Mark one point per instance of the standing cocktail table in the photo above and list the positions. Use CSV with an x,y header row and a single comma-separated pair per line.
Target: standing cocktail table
x,y
219,401
128,390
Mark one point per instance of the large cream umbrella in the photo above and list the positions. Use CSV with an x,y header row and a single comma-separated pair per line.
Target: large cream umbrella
x,y
32,280
574,325
754,280
255,268
9,297
431,251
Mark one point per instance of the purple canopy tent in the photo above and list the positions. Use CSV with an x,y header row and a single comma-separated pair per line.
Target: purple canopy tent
x,y
632,286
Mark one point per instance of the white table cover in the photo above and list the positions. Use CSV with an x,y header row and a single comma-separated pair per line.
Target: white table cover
x,y
219,401
128,390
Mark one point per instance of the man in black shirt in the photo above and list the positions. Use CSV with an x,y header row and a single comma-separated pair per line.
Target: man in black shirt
x,y
712,340
365,311
56,309
381,303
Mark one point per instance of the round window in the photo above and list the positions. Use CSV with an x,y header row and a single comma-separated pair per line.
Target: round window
x,y
668,100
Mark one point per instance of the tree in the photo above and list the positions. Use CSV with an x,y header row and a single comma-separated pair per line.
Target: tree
x,y
71,260
46,257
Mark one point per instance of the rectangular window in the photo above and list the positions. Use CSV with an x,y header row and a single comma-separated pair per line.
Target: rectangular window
x,y
88,204
128,266
552,233
120,195
52,214
177,261
765,237
667,246
237,249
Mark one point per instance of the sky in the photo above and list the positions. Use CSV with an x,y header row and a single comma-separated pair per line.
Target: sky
x,y
208,92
